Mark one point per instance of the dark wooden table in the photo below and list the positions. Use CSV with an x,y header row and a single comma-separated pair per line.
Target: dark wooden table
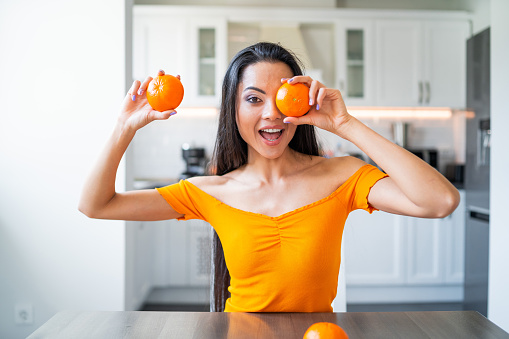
x,y
413,325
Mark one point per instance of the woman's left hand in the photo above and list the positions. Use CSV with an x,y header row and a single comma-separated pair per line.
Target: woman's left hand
x,y
328,110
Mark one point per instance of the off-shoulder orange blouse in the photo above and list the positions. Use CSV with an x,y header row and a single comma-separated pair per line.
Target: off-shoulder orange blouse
x,y
288,263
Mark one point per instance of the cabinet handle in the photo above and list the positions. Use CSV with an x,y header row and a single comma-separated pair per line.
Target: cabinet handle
x,y
428,92
420,92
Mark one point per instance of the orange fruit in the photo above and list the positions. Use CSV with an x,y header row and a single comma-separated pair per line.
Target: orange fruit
x,y
325,331
293,100
165,92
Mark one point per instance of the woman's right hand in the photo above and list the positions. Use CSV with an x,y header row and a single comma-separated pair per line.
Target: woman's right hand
x,y
136,112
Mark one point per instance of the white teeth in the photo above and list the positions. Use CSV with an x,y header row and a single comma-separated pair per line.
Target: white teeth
x,y
271,130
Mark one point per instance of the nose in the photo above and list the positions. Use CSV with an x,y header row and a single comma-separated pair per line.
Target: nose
x,y
271,112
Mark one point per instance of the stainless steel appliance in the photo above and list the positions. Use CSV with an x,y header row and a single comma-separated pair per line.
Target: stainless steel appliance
x,y
477,174
195,159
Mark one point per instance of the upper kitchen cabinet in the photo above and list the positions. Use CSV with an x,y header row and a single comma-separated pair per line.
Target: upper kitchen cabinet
x,y
157,44
207,57
355,61
193,46
421,63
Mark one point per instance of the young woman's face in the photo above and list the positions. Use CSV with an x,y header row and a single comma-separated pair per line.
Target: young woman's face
x,y
259,121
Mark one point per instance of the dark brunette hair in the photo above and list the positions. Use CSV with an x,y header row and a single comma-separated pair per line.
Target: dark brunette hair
x,y
230,151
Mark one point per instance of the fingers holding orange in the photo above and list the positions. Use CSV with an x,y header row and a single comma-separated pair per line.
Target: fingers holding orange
x,y
134,89
156,115
144,85
313,88
313,85
303,79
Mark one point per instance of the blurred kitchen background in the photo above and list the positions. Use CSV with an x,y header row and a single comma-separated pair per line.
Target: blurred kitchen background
x,y
402,72
417,72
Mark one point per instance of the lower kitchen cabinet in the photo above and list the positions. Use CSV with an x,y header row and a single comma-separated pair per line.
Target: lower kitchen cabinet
x,y
187,256
392,258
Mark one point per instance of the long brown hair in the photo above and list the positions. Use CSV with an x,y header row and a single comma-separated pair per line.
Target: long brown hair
x,y
230,151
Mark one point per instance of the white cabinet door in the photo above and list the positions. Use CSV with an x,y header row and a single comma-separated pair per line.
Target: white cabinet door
x,y
158,45
421,63
444,69
188,250
372,247
199,252
192,47
386,249
399,59
177,259
207,56
355,71
425,257
454,227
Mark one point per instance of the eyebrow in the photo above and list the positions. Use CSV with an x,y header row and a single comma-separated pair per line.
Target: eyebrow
x,y
254,88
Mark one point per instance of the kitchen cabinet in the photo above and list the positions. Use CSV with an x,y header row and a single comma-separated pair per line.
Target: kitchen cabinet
x,y
355,61
188,253
207,57
158,45
400,58
191,46
386,254
421,62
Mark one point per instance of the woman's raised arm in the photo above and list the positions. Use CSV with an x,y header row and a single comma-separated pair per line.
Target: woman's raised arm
x,y
99,198
413,187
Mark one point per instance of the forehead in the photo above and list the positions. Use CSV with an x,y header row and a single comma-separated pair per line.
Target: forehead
x,y
264,74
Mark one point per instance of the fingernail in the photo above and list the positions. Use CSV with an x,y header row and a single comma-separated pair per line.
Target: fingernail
x,y
140,91
133,97
317,107
310,102
283,79
286,122
173,113
290,80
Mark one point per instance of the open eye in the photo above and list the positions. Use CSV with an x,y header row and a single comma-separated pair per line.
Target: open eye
x,y
253,99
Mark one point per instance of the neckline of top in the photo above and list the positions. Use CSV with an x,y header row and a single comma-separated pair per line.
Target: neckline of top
x,y
286,214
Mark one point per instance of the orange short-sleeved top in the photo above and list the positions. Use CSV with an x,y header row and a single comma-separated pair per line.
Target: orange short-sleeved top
x,y
288,263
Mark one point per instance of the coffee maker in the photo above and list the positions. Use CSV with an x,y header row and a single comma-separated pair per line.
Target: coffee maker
x,y
195,160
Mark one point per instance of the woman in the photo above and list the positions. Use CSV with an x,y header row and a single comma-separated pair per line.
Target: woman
x,y
277,206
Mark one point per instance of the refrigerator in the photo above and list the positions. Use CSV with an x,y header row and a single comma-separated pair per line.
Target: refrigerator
x,y
477,173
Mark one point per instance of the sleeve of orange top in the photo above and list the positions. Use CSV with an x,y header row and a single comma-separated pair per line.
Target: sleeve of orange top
x,y
182,199
365,178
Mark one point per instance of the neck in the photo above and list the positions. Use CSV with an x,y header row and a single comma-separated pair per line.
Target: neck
x,y
273,170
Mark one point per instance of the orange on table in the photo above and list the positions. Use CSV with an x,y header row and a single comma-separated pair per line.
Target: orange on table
x,y
325,330
165,92
293,100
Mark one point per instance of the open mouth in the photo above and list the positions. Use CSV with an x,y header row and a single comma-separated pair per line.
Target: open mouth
x,y
271,134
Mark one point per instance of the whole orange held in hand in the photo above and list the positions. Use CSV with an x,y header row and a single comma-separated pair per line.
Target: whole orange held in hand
x,y
165,92
293,100
325,331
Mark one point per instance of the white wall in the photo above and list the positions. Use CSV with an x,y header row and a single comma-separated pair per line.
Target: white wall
x,y
62,79
498,297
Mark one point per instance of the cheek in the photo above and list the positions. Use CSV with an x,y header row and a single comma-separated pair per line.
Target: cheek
x,y
291,130
242,123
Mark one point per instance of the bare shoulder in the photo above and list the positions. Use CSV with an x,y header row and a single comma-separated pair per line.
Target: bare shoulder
x,y
208,181
342,167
